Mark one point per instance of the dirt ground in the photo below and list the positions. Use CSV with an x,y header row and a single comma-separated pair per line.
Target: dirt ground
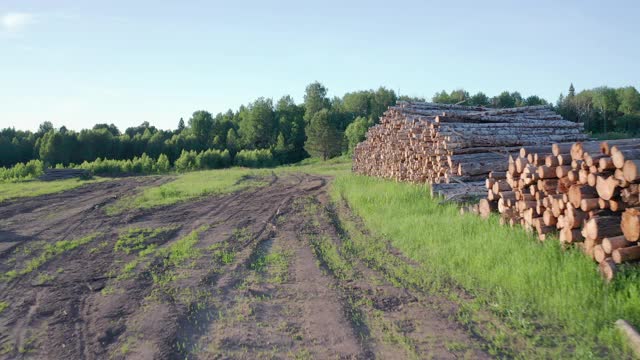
x,y
255,282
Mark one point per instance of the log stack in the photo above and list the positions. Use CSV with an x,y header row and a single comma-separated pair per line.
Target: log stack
x,y
587,192
438,143
62,174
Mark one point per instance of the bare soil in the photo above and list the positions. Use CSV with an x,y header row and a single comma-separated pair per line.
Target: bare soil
x,y
256,286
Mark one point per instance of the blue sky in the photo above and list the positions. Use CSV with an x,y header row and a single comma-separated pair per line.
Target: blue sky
x,y
77,63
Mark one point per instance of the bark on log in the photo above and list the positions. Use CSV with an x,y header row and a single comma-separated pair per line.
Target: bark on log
x,y
608,269
611,243
485,207
630,224
620,156
631,170
626,254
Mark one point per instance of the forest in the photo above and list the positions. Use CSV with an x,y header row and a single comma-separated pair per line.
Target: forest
x,y
267,133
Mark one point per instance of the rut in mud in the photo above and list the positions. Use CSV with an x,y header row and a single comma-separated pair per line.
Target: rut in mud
x,y
261,273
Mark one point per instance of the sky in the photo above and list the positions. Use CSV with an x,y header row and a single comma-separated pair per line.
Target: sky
x,y
78,63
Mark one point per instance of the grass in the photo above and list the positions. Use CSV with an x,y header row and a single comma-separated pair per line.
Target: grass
x,y
274,262
3,306
12,190
190,186
514,274
49,252
139,239
183,249
333,167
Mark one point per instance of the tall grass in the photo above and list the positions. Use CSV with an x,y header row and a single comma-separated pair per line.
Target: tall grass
x,y
192,185
11,190
22,171
515,272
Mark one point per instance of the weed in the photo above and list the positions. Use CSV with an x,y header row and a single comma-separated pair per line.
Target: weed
x,y
3,306
101,246
183,249
7,348
525,281
190,186
50,251
43,278
242,234
13,190
302,354
139,239
108,290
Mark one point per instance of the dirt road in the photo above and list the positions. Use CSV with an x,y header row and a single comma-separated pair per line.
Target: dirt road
x,y
254,274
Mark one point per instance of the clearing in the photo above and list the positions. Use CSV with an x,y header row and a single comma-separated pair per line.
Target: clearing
x,y
272,270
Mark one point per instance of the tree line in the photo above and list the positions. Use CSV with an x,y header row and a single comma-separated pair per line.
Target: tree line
x,y
288,130
320,126
603,109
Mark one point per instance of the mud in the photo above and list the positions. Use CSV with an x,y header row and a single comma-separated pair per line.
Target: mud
x,y
251,285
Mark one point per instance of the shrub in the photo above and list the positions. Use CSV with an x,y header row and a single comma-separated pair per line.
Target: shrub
x,y
163,165
22,171
255,158
139,165
213,159
187,161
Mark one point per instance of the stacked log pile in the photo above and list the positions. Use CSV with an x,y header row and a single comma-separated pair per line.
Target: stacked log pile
x,y
588,192
61,174
437,143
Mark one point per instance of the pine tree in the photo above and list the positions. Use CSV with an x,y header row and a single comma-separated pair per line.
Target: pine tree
x,y
572,91
323,139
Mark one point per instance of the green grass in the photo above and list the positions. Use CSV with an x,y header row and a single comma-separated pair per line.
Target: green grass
x,y
336,166
183,249
517,275
139,239
49,252
12,190
190,186
3,306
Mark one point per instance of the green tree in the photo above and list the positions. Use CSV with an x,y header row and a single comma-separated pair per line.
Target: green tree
x,y
605,99
479,99
441,97
459,96
356,132
233,142
382,99
291,124
315,99
201,124
257,129
180,125
534,100
52,148
45,127
109,127
357,103
629,99
163,165
504,100
323,138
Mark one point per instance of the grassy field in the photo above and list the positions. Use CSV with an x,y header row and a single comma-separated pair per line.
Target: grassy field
x,y
527,282
192,185
11,190
550,298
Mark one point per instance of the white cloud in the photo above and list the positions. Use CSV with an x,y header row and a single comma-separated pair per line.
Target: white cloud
x,y
15,21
